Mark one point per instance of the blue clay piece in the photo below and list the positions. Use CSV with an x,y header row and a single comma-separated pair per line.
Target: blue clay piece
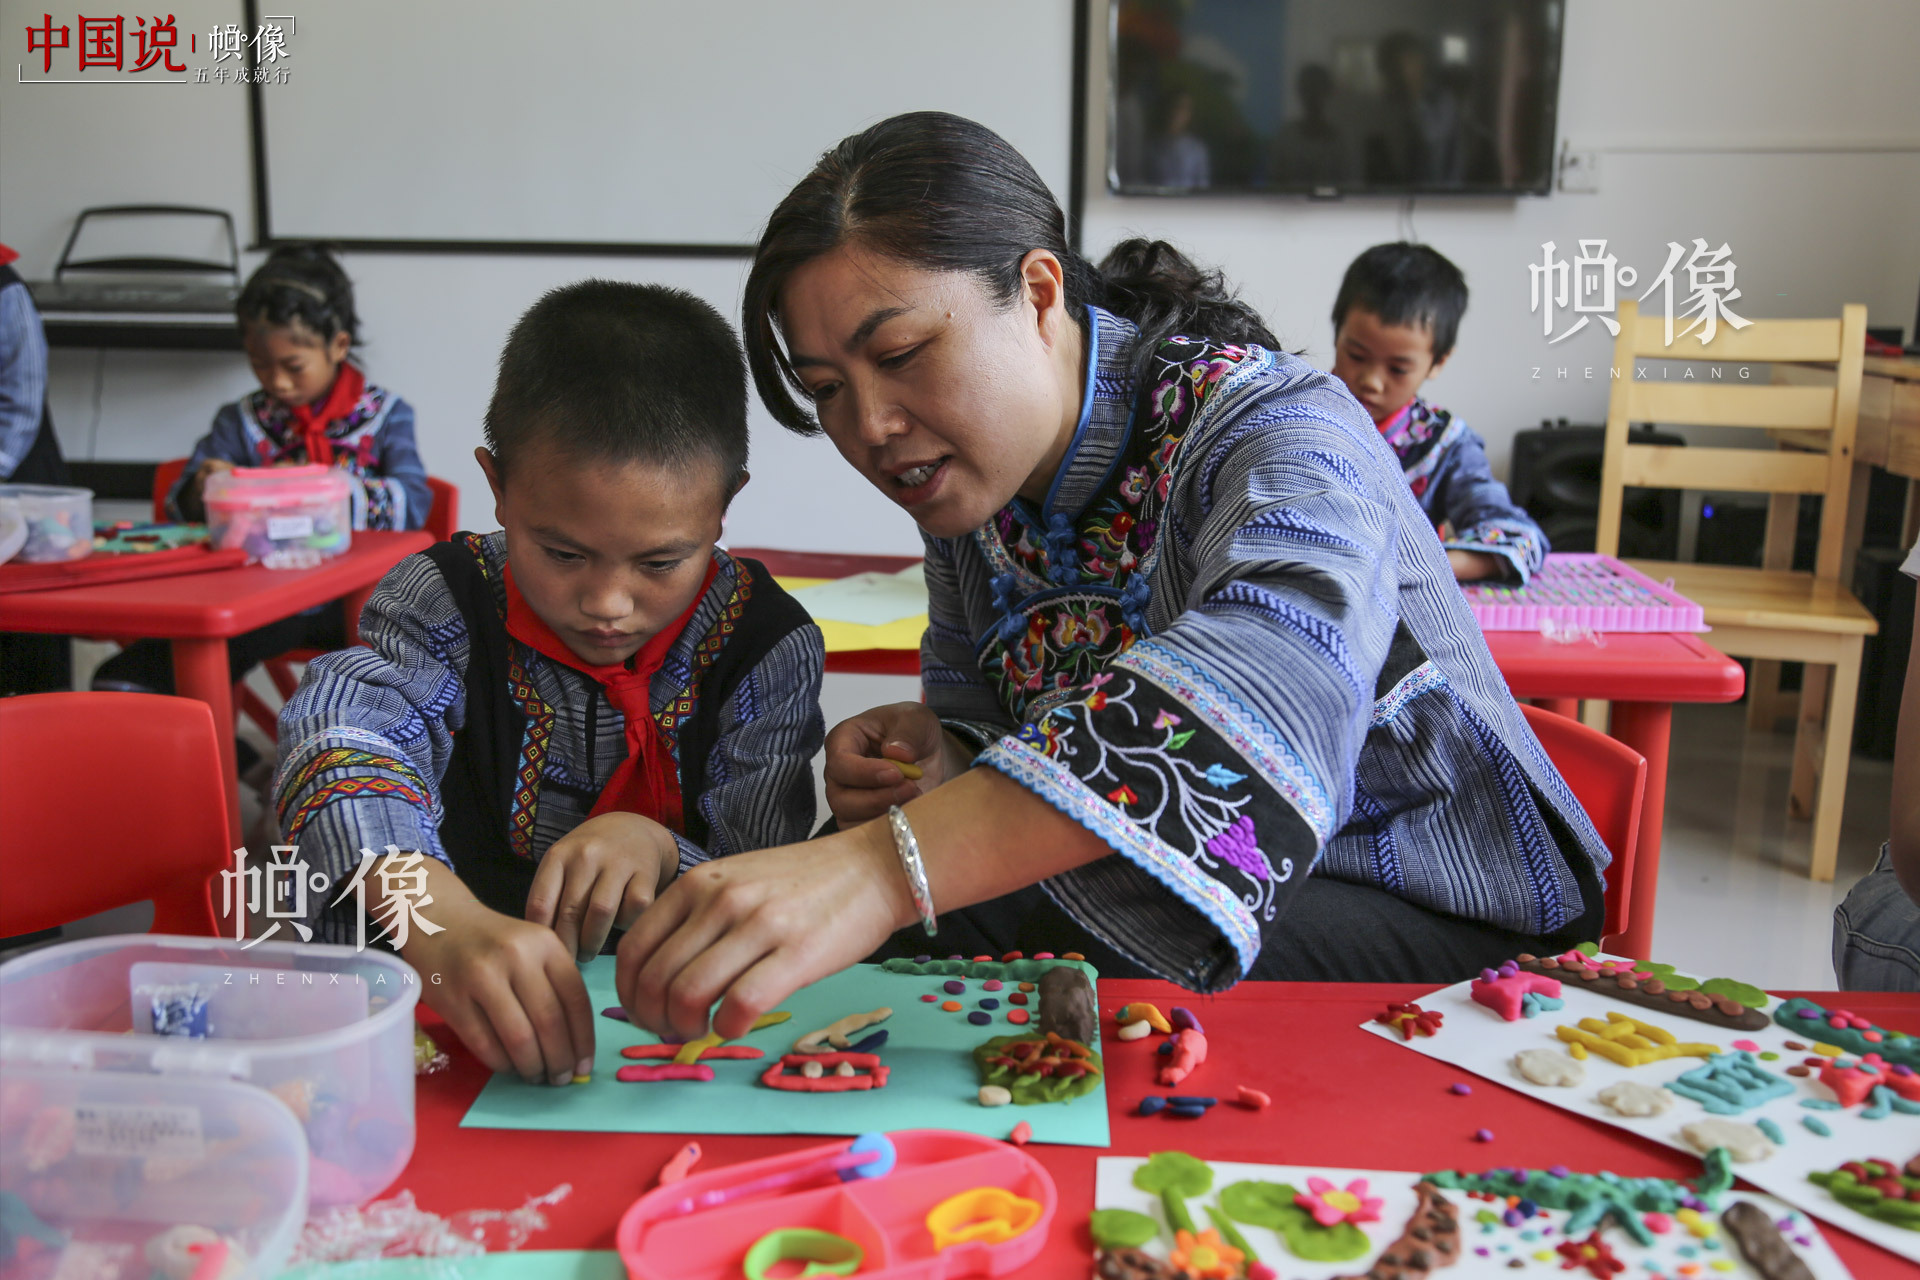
x,y
979,1019
1187,1113
870,1044
1166,1046
1820,1104
989,1003
1192,1102
1730,1083
1772,1131
1814,1124
1879,1102
1152,1104
1533,1004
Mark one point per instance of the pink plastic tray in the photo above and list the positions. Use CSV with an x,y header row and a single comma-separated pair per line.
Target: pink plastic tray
x,y
886,1216
1579,589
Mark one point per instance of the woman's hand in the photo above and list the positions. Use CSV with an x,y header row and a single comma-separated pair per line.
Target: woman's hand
x,y
600,876
862,780
1474,566
756,927
508,988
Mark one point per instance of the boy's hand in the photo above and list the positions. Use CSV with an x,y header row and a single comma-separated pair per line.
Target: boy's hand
x,y
601,876
193,503
1474,566
862,781
507,987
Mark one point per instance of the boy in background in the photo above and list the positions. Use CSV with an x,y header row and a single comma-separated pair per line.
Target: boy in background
x,y
1394,324
562,716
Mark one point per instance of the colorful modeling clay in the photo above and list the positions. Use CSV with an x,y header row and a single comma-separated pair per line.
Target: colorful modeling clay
x,y
1730,1083
776,1076
666,1071
1630,1042
677,1168
1631,1098
1035,1069
1593,1255
1429,1241
1624,980
1067,1006
708,1053
1189,1051
1549,1067
1140,1011
1504,990
1410,1020
1877,1188
1752,1230
836,1034
1744,1142
1849,1032
985,1215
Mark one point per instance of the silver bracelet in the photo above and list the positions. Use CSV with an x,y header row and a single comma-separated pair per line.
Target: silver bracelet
x,y
908,848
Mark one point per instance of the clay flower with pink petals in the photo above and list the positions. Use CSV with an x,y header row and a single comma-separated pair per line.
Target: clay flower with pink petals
x,y
1330,1205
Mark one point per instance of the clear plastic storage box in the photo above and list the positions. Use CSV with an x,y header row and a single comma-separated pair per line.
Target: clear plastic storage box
x,y
284,517
327,1030
111,1175
58,521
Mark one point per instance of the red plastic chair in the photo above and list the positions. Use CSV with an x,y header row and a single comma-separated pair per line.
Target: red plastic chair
x,y
1609,779
442,519
159,832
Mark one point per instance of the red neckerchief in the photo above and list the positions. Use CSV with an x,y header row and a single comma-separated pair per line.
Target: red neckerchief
x,y
309,421
7,255
647,781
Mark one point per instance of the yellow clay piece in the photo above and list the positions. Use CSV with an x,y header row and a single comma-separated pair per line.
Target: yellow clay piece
x,y
911,772
1698,1225
583,1079
1577,1050
1140,1011
835,1034
1629,1041
773,1019
692,1049
988,1215
1827,1050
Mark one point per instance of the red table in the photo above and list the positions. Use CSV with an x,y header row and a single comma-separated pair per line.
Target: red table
x,y
200,612
1342,1098
1643,674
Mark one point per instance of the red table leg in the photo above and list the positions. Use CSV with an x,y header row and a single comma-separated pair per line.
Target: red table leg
x,y
1645,727
200,671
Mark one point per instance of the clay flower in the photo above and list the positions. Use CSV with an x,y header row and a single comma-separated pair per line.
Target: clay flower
x,y
1205,1256
1331,1206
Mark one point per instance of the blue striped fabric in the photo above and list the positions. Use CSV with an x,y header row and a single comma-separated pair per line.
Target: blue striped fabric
x,y
1237,654
371,731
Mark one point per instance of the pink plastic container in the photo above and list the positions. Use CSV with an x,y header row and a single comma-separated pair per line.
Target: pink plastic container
x,y
885,1216
284,517
1580,589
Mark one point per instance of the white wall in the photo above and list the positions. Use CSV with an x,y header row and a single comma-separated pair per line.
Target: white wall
x,y
1801,120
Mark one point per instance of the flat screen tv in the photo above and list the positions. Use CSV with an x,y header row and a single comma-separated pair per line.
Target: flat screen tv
x,y
1333,97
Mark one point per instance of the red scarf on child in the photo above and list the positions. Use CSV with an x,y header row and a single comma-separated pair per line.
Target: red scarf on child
x,y
309,421
647,781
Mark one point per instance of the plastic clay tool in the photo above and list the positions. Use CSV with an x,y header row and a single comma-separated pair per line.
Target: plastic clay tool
x,y
871,1155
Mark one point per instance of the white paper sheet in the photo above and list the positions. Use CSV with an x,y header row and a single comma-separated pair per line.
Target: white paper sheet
x,y
1113,1189
869,599
1476,1039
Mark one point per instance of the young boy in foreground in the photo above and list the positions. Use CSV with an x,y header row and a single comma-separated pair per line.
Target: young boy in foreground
x,y
1394,325
563,715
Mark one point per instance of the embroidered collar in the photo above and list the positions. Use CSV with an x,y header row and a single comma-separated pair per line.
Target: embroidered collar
x,y
1106,419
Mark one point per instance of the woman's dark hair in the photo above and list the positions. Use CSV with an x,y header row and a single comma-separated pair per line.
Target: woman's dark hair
x,y
943,193
1406,284
300,284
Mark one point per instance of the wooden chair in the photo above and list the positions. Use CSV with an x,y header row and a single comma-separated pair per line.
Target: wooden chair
x,y
1770,614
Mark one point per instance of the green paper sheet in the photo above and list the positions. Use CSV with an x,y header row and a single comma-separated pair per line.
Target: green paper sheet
x,y
933,1083
526,1264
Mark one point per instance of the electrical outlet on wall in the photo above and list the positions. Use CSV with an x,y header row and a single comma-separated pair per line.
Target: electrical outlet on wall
x,y
1579,171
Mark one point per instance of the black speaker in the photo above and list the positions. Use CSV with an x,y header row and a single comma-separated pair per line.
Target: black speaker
x,y
1556,477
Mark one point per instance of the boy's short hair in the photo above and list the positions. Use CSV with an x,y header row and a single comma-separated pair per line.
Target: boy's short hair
x,y
1408,284
610,371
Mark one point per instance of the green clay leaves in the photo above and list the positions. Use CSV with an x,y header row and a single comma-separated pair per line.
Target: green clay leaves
x,y
1174,1175
1174,1171
1122,1228
1750,996
1674,981
1270,1204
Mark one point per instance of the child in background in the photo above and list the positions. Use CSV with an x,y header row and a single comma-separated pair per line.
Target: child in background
x,y
564,715
1394,325
298,324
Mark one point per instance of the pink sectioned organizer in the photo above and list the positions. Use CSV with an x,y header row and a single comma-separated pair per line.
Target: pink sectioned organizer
x,y
1581,589
886,1216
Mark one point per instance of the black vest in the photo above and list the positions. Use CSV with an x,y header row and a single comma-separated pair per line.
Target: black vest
x,y
477,792
43,463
